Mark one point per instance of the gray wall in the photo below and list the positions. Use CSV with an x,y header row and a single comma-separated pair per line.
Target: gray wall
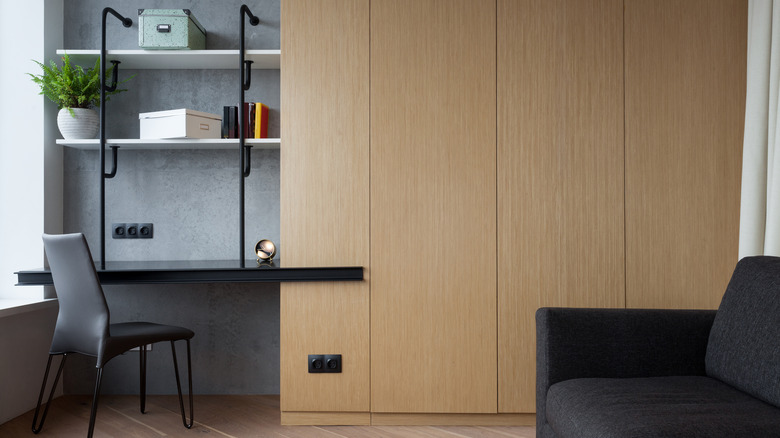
x,y
192,199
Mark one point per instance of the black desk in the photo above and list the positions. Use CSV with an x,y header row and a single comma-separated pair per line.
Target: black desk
x,y
212,271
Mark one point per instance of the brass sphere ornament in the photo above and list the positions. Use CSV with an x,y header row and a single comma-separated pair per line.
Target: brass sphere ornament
x,y
265,250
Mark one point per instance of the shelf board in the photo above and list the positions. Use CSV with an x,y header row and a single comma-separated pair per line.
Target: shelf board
x,y
182,143
203,271
178,59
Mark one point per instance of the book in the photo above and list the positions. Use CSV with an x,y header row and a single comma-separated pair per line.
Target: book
x,y
249,120
229,122
261,120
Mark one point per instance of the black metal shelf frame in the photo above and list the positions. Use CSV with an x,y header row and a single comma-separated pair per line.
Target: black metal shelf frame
x,y
126,22
244,151
245,163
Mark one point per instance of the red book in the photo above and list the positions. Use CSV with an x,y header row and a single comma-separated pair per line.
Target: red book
x,y
249,120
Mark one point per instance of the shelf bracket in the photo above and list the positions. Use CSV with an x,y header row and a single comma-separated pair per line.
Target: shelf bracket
x,y
126,22
114,149
248,161
245,69
114,76
248,74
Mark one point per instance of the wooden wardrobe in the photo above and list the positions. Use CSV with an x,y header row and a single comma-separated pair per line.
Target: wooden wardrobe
x,y
481,159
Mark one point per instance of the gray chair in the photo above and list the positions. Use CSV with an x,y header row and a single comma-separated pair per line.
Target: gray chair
x,y
84,327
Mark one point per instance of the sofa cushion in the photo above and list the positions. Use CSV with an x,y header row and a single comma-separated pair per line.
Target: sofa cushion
x,y
744,345
658,407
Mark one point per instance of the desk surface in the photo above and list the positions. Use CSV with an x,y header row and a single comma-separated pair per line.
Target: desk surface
x,y
209,271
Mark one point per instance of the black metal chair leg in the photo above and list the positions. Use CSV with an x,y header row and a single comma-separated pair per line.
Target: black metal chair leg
x,y
178,384
93,414
142,360
38,428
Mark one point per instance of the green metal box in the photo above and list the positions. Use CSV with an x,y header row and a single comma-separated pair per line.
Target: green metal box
x,y
170,29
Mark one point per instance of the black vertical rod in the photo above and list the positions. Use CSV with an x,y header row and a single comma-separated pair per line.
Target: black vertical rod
x,y
126,22
253,20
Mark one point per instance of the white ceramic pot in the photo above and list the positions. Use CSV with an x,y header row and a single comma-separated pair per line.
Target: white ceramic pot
x,y
84,125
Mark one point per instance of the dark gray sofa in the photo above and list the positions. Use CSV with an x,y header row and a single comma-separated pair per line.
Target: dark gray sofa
x,y
625,373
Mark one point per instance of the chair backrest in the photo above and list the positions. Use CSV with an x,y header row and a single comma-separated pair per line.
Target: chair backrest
x,y
83,319
744,344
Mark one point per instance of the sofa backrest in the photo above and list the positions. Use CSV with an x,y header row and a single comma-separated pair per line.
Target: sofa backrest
x,y
744,344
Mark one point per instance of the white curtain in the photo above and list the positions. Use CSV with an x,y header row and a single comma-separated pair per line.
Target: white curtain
x,y
759,224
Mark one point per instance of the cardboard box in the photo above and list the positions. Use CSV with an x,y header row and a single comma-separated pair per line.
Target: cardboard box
x,y
170,29
179,123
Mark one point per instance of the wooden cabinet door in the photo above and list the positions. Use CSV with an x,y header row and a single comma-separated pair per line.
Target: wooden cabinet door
x,y
685,109
324,200
560,172
433,206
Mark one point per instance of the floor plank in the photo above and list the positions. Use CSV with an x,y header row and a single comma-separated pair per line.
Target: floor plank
x,y
223,416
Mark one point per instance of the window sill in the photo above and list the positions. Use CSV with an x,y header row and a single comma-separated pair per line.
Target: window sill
x,y
10,307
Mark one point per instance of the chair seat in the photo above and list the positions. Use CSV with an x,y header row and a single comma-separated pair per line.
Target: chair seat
x,y
127,335
658,407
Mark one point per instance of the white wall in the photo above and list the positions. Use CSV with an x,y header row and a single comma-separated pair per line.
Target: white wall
x,y
24,340
22,147
30,196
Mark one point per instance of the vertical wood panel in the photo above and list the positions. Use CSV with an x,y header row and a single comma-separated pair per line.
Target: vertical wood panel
x,y
560,172
433,223
685,102
324,199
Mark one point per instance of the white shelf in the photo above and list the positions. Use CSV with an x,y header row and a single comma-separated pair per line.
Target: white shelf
x,y
178,59
184,143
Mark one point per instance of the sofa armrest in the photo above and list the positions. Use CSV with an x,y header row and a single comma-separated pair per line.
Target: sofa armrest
x,y
578,343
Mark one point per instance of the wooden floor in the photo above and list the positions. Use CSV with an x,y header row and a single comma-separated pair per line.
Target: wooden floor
x,y
218,415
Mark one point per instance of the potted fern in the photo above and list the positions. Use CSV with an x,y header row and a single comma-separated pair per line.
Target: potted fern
x,y
76,91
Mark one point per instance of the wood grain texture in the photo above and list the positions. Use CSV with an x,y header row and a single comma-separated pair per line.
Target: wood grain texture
x,y
560,172
232,416
433,224
326,418
453,419
685,105
324,199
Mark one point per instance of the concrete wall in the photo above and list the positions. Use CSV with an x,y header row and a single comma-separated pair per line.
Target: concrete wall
x,y
192,199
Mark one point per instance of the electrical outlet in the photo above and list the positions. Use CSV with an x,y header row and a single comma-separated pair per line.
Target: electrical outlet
x,y
324,363
316,363
332,363
132,231
118,231
148,348
146,230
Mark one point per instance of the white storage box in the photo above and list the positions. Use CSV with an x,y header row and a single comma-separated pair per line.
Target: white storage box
x,y
179,123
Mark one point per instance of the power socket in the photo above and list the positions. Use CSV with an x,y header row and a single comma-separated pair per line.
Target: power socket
x,y
316,363
132,231
332,363
143,230
324,363
118,231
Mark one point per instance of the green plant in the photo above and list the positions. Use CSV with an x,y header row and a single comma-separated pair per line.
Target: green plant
x,y
71,86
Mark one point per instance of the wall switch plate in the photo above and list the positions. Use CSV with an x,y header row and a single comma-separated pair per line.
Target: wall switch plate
x,y
324,363
118,231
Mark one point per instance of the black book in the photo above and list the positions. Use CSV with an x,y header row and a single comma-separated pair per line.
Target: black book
x,y
229,122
